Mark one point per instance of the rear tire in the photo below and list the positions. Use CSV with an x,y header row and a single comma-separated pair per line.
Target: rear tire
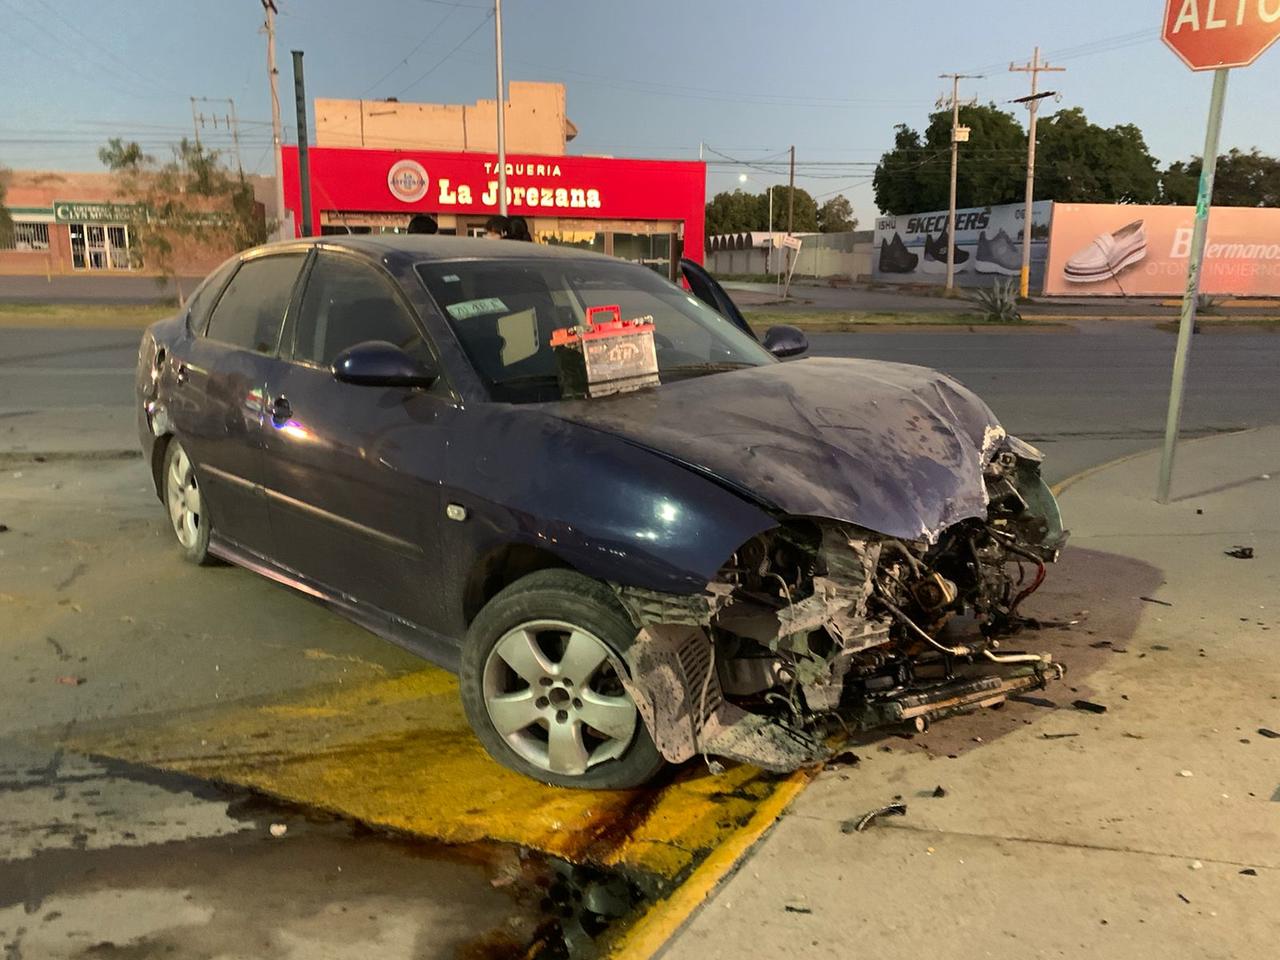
x,y
540,683
184,501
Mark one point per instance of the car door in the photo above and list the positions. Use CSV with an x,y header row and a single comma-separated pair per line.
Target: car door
x,y
215,398
703,286
354,471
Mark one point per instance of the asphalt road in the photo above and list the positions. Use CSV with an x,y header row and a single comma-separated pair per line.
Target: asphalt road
x,y
1085,393
84,288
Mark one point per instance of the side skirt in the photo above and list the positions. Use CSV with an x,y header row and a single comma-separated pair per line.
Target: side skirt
x,y
437,648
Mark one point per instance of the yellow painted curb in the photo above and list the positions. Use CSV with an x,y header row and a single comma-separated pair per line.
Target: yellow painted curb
x,y
663,919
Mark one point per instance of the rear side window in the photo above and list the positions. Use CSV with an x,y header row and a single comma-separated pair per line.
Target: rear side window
x,y
348,302
206,295
251,309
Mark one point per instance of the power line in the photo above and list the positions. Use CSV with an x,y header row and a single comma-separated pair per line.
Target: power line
x,y
404,61
439,63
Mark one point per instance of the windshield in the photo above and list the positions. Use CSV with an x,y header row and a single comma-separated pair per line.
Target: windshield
x,y
504,311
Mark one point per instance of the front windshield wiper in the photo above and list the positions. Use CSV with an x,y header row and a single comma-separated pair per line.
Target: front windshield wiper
x,y
526,379
717,366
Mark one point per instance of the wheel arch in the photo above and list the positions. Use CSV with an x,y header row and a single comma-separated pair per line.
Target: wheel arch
x,y
159,450
501,567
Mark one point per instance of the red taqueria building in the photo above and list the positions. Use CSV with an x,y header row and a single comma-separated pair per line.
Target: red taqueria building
x,y
649,211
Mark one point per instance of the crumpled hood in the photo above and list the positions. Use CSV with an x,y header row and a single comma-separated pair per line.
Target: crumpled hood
x,y
894,448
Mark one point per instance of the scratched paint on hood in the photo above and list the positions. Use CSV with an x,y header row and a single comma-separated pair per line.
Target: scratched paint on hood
x,y
894,448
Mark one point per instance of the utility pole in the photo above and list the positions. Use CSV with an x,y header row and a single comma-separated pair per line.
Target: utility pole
x,y
230,119
791,203
195,124
959,135
1035,68
502,111
235,136
269,6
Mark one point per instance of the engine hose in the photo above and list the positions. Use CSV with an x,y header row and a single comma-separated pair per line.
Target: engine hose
x,y
1013,657
953,651
1035,584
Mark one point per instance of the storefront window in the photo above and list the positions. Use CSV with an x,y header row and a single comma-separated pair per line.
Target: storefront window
x,y
582,239
100,246
652,250
28,236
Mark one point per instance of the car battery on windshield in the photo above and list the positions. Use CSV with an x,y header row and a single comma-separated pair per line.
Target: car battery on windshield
x,y
605,355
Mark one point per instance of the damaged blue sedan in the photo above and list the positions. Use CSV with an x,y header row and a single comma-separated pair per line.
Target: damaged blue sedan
x,y
634,532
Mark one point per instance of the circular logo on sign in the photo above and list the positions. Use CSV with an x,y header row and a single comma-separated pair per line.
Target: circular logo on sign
x,y
407,180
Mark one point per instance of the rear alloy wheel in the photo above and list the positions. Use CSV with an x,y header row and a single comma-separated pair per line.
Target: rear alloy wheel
x,y
542,683
185,503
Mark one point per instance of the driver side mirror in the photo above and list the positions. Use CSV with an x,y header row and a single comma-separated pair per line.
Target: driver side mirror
x,y
785,340
378,363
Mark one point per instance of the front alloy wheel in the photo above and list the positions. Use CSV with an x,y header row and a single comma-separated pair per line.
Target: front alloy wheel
x,y
541,681
553,692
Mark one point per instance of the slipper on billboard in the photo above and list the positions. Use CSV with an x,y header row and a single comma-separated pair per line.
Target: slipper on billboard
x,y
998,255
1108,254
935,255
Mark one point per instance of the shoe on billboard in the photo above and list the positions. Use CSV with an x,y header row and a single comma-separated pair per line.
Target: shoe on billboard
x,y
998,255
1108,254
935,255
895,257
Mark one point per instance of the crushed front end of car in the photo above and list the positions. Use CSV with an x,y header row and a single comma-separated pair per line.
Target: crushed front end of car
x,y
818,627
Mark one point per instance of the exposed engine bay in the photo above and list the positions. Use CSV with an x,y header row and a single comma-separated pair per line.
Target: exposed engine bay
x,y
817,627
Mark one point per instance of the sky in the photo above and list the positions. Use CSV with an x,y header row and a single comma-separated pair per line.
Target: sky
x,y
745,78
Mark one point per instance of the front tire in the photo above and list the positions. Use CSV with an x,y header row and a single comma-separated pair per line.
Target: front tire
x,y
540,682
185,503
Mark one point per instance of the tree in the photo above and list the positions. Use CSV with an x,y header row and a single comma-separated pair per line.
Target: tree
x,y
1076,161
6,218
1081,162
916,174
805,214
1240,180
191,199
732,213
836,215
739,211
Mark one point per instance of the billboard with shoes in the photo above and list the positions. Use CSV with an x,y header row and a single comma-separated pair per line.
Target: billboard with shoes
x,y
1142,250
912,248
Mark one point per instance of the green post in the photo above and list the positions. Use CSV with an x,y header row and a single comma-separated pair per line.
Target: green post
x,y
1188,322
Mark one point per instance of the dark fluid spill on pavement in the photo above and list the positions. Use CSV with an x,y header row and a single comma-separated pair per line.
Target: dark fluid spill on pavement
x,y
326,886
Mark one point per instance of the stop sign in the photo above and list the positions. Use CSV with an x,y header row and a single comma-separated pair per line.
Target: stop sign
x,y
1209,34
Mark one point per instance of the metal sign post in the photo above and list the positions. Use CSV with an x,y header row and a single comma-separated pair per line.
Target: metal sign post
x,y
1188,321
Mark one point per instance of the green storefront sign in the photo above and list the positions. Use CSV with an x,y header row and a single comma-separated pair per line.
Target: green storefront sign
x,y
71,211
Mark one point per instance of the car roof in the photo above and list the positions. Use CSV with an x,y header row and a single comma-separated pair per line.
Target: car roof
x,y
424,247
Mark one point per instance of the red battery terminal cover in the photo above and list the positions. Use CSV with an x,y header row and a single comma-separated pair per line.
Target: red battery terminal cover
x,y
594,328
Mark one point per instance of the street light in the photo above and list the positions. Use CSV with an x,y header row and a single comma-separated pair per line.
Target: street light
x,y
768,257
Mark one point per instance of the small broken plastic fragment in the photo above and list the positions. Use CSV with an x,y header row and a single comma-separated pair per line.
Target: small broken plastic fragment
x,y
1248,872
1197,865
793,908
1240,553
1184,773
1057,736
278,830
1183,898
897,809
1089,705
1268,733
1163,603
69,680
939,791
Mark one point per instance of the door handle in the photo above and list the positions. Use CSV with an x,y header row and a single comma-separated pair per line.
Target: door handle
x,y
180,375
280,411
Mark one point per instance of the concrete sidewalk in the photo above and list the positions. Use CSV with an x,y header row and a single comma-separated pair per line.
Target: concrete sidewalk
x,y
1064,832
